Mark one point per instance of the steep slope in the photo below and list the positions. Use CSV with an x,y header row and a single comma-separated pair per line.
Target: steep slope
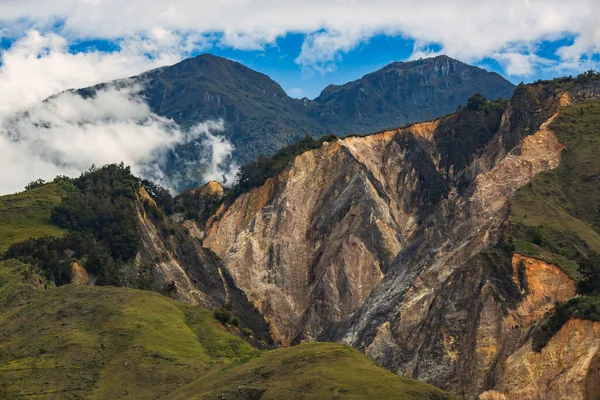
x,y
402,92
76,341
403,244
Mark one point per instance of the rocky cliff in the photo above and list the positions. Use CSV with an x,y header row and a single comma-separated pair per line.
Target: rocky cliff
x,y
393,243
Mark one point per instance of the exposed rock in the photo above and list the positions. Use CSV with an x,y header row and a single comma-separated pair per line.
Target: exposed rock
x,y
542,285
79,275
180,267
390,243
561,371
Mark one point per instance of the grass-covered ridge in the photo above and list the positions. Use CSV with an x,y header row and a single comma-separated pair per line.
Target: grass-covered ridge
x,y
556,217
103,342
77,341
308,371
27,215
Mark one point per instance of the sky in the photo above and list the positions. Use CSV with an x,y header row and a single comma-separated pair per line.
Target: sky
x,y
47,47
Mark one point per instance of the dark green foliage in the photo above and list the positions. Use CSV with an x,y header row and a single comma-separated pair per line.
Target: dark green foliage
x,y
258,171
223,315
589,268
103,206
161,196
476,102
559,247
196,205
586,307
54,257
35,184
464,135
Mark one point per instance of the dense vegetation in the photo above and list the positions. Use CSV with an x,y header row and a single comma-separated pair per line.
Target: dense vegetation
x,y
555,218
97,211
256,172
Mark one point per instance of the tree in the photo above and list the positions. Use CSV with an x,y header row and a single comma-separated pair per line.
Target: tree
x,y
476,101
35,184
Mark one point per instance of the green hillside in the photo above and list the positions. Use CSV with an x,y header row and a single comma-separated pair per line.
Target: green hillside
x,y
73,342
27,214
307,371
555,218
102,342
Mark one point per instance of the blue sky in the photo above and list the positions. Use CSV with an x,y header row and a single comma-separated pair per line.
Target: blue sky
x,y
278,60
47,47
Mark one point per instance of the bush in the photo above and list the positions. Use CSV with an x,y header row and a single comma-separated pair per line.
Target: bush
x,y
585,307
235,321
35,184
223,315
248,332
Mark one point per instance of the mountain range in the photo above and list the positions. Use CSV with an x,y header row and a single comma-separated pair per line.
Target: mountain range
x,y
460,254
260,118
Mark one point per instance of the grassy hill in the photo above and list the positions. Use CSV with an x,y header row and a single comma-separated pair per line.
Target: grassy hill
x,y
555,218
27,214
102,342
73,341
307,371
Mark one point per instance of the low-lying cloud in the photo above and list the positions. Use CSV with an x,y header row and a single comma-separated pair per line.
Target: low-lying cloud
x,y
66,134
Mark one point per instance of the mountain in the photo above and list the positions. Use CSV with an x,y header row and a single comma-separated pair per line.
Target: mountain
x,y
463,252
404,92
261,118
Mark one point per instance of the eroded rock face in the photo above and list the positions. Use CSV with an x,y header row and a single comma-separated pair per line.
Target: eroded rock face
x,y
79,275
181,268
388,243
565,369
311,244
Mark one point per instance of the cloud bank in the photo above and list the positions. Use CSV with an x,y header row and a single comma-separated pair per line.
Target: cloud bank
x,y
467,29
67,134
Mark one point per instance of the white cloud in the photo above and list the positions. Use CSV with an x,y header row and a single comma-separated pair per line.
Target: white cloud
x,y
297,93
467,29
67,134
40,65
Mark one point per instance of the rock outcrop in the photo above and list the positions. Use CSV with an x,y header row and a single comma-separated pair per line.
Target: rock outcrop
x,y
178,266
392,243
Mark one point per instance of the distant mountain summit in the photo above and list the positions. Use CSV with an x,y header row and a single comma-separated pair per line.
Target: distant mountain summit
x,y
260,117
404,92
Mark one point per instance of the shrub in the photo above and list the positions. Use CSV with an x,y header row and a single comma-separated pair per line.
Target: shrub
x,y
248,332
223,315
35,184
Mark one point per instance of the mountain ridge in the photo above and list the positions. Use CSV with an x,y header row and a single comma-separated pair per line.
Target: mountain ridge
x,y
261,118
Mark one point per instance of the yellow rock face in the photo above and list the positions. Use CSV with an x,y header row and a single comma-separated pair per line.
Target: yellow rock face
x,y
545,285
79,275
561,371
